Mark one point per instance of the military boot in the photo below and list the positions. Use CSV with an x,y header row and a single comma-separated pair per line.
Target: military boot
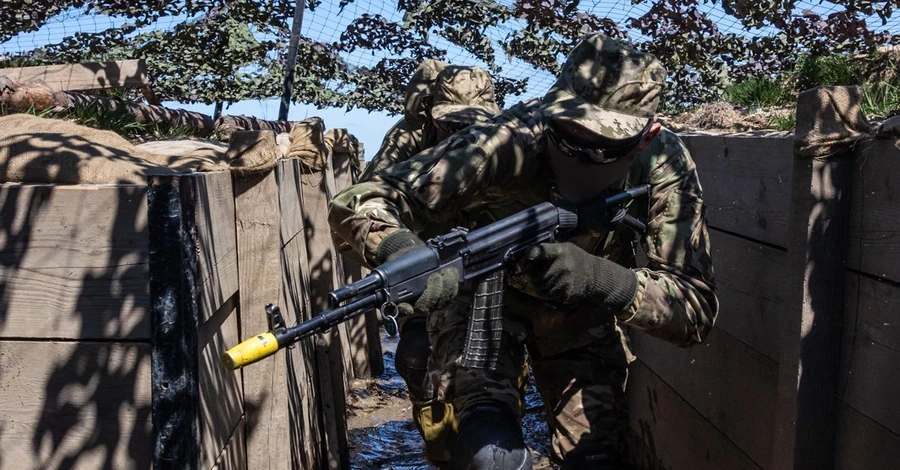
x,y
489,438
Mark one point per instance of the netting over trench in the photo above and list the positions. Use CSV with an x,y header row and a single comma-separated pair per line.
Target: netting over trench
x,y
102,29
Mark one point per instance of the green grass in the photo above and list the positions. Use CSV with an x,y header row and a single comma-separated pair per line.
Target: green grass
x,y
759,92
881,100
831,70
783,123
117,119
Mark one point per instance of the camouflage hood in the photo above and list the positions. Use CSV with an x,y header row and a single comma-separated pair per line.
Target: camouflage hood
x,y
463,95
419,90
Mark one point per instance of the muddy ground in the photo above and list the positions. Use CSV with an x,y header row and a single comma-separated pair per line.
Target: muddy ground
x,y
382,433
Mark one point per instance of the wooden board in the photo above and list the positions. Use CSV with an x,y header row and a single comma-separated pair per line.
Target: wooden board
x,y
234,455
337,272
73,261
302,423
875,237
361,352
287,175
728,383
259,266
670,434
216,250
84,76
75,405
863,444
221,395
870,372
753,291
331,350
746,184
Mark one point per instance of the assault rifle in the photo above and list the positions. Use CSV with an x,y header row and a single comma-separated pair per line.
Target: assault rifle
x,y
482,256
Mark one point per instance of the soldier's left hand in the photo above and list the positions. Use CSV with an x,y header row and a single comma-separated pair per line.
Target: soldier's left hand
x,y
565,273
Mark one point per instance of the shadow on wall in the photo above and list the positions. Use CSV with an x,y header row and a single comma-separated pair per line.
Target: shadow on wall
x,y
73,266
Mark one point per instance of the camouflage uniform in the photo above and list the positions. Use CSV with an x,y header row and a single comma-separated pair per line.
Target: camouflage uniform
x,y
461,93
579,355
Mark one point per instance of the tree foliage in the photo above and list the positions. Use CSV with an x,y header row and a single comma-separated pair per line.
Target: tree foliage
x,y
230,50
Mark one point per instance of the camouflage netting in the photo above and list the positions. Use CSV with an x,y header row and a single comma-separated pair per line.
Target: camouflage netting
x,y
830,122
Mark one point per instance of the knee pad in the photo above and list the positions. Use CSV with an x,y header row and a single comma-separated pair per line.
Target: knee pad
x,y
412,355
489,438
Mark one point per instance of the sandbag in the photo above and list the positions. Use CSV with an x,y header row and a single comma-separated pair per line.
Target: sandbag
x,y
226,126
830,122
308,144
39,150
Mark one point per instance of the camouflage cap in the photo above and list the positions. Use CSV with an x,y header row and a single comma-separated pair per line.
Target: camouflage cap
x,y
419,89
609,88
463,95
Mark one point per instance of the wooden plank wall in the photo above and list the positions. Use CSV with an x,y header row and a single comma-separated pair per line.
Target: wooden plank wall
x,y
721,393
66,275
762,391
332,348
75,323
289,401
365,341
868,427
193,285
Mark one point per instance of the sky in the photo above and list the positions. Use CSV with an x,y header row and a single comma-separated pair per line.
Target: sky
x,y
329,20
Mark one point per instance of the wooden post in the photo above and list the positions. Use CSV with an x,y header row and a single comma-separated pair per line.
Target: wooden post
x,y
820,237
259,271
330,346
365,343
174,313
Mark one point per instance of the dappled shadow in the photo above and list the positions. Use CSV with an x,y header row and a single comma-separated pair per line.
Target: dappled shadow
x,y
73,268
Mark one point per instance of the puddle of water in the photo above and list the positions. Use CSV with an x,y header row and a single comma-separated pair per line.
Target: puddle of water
x,y
382,433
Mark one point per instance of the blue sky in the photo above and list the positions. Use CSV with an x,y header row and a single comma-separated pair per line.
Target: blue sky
x,y
328,21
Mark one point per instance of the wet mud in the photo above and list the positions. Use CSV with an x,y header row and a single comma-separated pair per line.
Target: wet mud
x,y
383,435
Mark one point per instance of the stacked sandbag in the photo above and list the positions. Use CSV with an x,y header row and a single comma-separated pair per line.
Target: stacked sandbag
x,y
39,150
226,126
830,122
307,144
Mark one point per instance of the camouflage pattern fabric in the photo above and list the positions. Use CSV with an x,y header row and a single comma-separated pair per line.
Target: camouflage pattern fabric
x,y
456,93
487,171
402,142
607,87
463,95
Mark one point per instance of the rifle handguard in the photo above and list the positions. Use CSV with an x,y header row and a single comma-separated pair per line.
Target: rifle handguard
x,y
251,350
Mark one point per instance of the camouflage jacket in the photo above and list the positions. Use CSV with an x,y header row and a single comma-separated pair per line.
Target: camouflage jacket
x,y
500,167
403,141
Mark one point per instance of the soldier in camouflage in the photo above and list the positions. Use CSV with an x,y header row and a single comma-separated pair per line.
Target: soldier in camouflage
x,y
440,100
593,134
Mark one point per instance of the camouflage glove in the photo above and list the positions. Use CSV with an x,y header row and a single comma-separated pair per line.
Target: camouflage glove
x,y
442,286
565,273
